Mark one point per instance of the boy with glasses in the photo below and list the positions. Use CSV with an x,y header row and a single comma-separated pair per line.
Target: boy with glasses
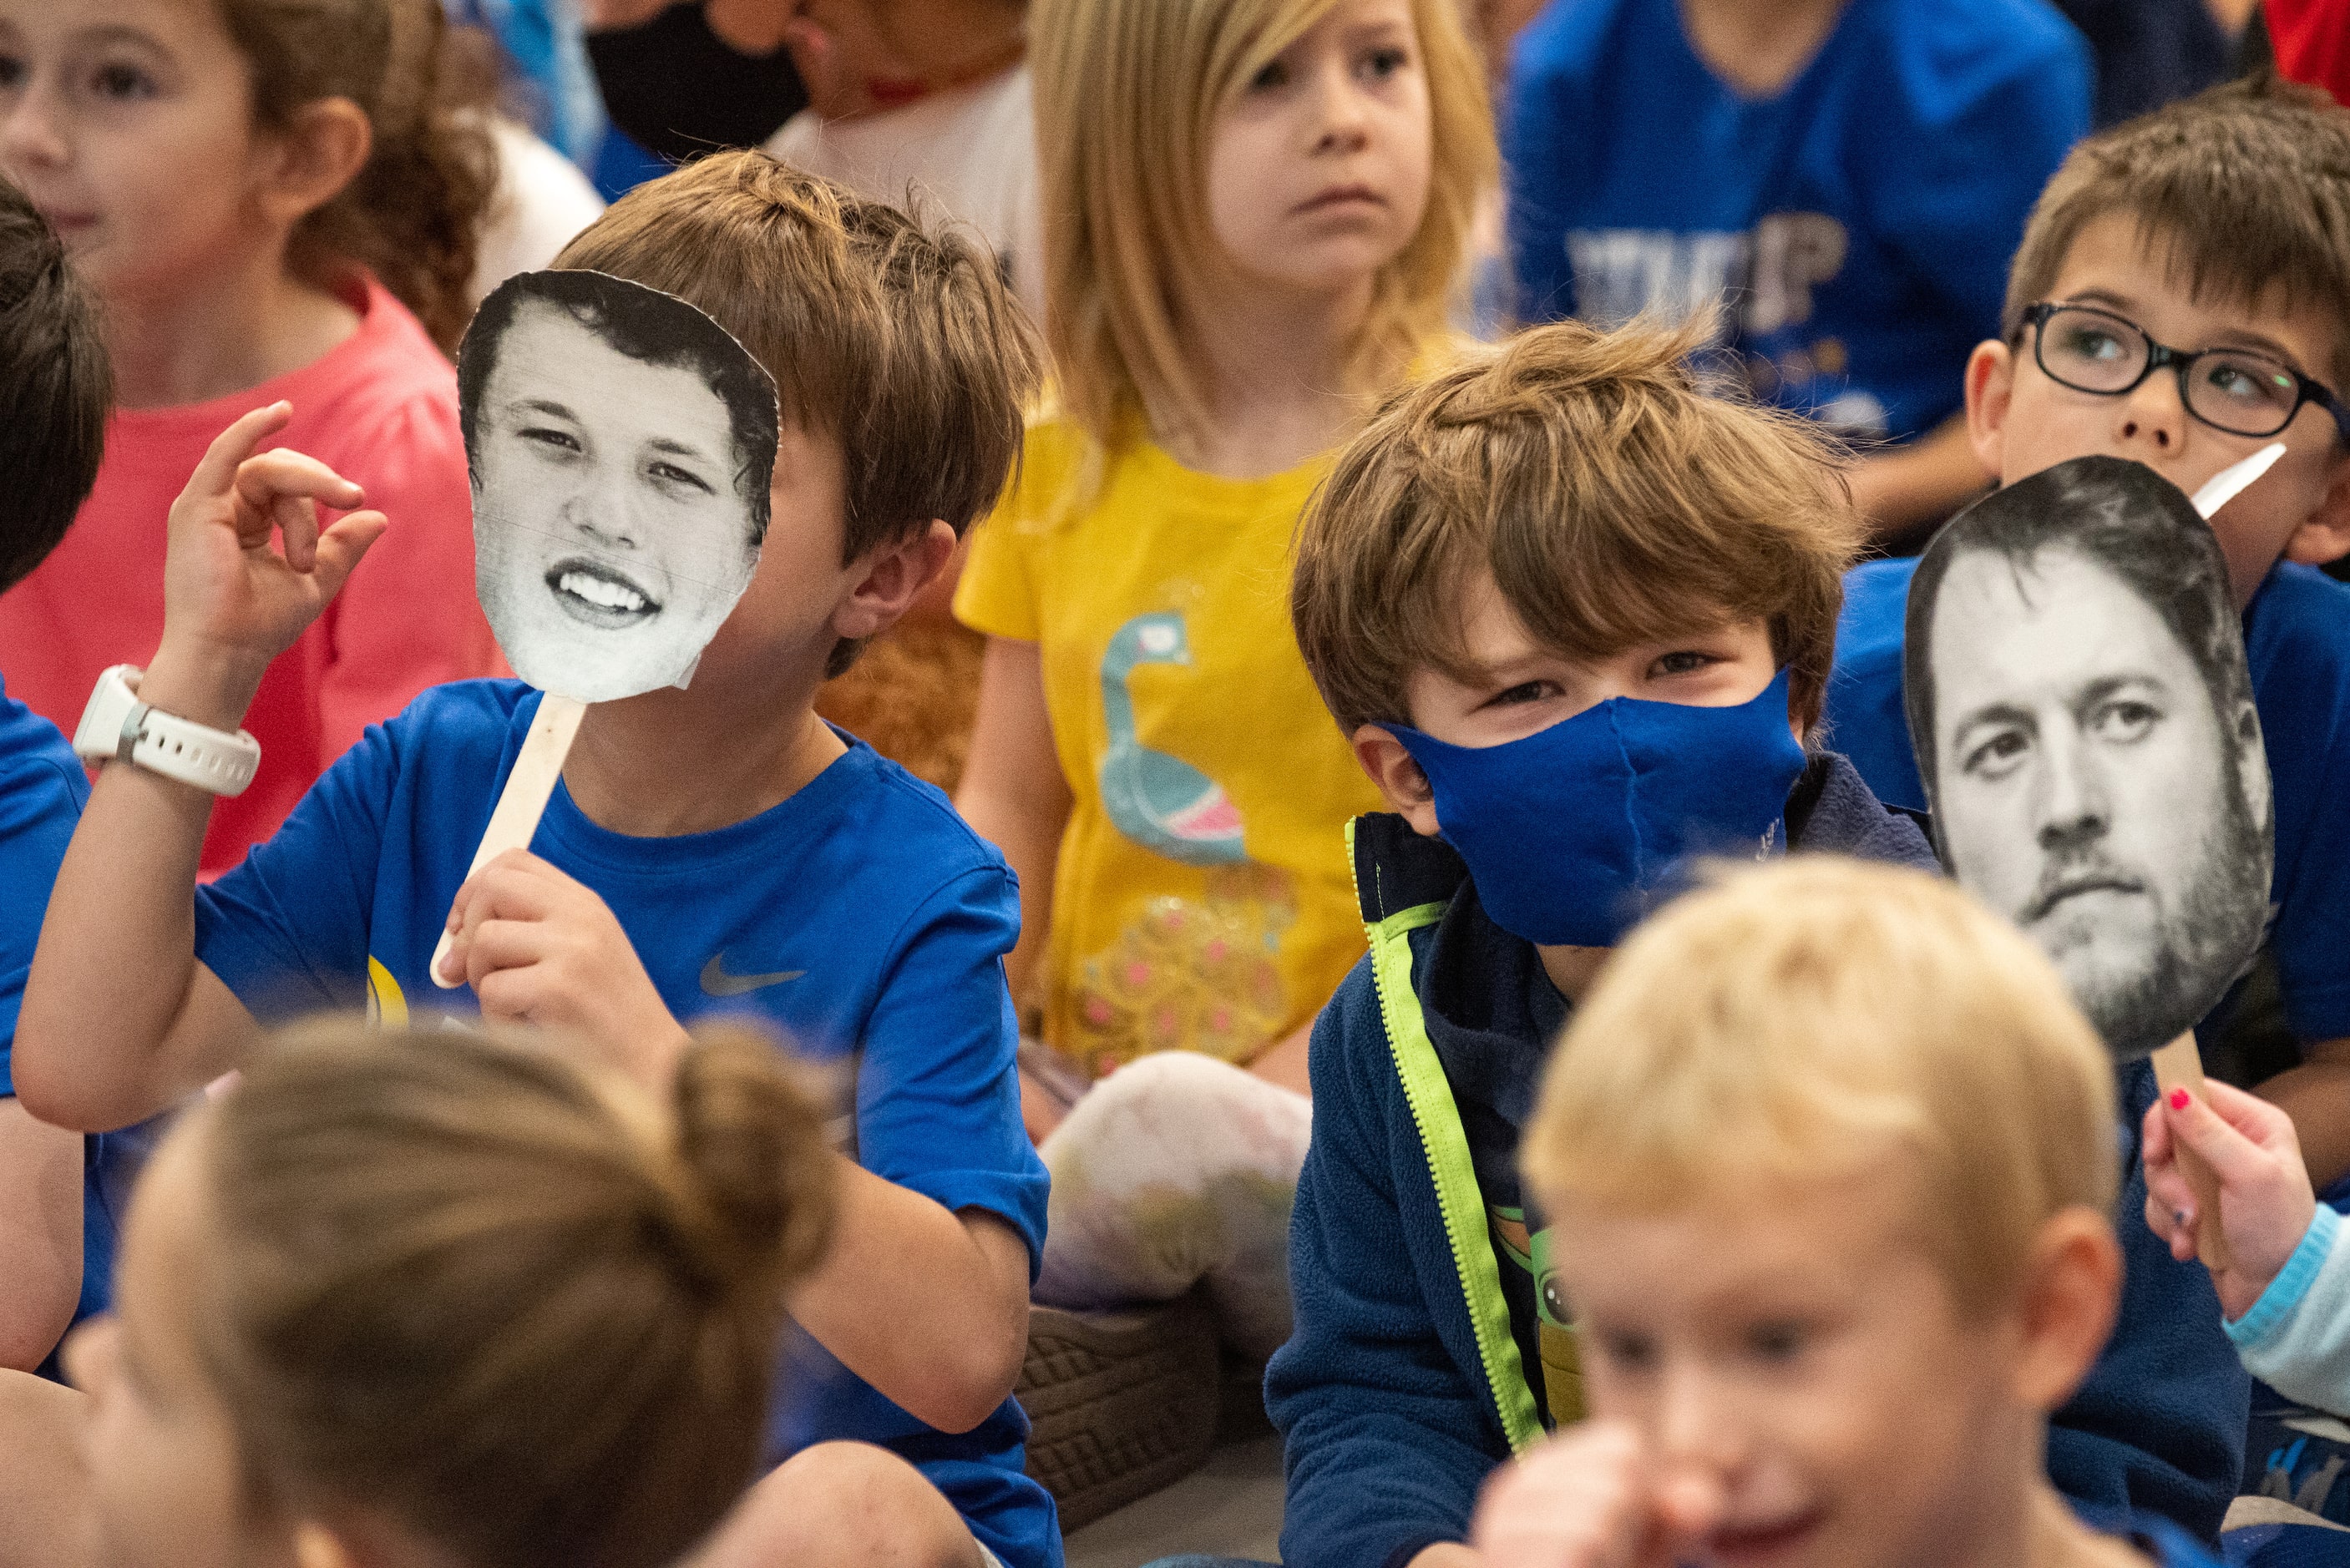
x,y
2182,298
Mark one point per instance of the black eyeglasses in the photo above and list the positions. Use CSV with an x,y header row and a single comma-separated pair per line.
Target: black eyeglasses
x,y
2240,390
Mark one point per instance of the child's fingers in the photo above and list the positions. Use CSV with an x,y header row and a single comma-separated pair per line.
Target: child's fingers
x,y
2170,1211
2154,1134
497,946
2236,1159
296,518
281,471
337,551
2258,1120
215,472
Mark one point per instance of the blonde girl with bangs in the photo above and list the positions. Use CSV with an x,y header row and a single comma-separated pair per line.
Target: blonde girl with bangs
x,y
1255,218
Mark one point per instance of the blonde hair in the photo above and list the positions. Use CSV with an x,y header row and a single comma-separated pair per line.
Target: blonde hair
x,y
1615,501
524,1310
1803,1019
1127,94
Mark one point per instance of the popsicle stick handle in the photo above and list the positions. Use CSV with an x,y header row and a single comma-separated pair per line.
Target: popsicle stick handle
x,y
523,800
2179,1066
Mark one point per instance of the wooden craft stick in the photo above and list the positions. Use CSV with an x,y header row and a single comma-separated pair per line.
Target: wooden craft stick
x,y
2179,1065
523,800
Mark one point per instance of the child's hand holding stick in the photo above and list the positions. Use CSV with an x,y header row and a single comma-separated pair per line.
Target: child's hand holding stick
x,y
2261,1203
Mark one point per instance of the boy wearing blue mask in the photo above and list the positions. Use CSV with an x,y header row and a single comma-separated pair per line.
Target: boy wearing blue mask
x,y
1577,616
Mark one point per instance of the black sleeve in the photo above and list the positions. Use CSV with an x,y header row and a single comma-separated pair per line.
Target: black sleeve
x,y
679,89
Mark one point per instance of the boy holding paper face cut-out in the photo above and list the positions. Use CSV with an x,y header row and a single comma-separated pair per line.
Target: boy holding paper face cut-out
x,y
2211,227
715,845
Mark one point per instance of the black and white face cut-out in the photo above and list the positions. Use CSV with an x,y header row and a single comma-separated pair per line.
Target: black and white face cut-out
x,y
2084,721
621,444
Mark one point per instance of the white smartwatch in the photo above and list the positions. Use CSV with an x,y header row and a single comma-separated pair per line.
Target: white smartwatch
x,y
118,728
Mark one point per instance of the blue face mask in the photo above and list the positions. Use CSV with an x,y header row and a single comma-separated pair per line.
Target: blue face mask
x,y
1571,832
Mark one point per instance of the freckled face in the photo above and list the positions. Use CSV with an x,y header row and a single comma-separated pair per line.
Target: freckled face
x,y
611,537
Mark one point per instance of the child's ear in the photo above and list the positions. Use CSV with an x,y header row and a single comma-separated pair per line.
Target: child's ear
x,y
2325,535
1990,385
312,159
2072,1290
895,576
1390,767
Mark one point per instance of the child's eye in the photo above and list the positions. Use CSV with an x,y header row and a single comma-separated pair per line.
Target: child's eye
x,y
121,81
1778,1341
1525,691
1686,661
12,71
1270,75
2249,382
670,473
1628,1352
1384,62
2092,343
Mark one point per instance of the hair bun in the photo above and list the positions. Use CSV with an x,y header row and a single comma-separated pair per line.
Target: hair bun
x,y
756,1170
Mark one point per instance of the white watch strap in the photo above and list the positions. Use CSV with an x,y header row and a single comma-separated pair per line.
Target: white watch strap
x,y
117,727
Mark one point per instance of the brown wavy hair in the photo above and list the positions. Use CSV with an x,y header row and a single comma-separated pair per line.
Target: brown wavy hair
x,y
1615,498
413,215
525,1311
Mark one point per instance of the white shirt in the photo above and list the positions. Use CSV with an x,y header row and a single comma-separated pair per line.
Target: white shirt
x,y
540,203
967,154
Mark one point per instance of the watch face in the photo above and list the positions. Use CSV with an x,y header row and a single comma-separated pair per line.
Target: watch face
x,y
2082,717
620,444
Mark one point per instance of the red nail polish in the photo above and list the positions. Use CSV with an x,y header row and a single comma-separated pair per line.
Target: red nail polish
x,y
2178,1099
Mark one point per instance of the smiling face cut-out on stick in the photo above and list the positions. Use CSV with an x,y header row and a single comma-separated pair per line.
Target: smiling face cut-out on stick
x,y
620,444
2083,717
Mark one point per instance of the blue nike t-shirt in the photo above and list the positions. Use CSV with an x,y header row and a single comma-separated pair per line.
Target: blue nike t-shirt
x,y
1857,226
42,791
2297,644
860,916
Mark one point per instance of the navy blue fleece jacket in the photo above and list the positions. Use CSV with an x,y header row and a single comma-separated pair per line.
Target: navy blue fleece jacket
x,y
1380,1393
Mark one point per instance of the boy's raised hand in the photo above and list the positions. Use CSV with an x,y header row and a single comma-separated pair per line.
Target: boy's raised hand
x,y
2265,1201
541,947
231,603
1589,1497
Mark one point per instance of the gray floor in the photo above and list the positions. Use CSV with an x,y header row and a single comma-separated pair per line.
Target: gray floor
x,y
1230,1507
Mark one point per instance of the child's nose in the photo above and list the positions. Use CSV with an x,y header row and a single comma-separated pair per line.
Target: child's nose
x,y
31,136
2153,415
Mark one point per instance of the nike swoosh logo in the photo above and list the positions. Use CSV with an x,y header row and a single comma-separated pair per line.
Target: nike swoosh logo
x,y
716,981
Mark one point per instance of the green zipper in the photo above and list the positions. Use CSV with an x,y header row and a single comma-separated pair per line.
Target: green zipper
x,y
1446,1148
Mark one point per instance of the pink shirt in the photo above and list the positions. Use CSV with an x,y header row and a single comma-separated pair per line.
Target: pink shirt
x,y
380,409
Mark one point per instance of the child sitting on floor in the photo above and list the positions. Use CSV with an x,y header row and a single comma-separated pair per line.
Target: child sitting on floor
x,y
711,846
1575,615
1828,1155
58,1219
426,1300
1254,217
274,202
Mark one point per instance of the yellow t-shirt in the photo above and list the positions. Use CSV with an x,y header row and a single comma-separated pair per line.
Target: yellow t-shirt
x,y
1203,898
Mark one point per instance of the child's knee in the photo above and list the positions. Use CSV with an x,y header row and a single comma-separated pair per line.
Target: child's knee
x,y
843,1505
1170,1116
